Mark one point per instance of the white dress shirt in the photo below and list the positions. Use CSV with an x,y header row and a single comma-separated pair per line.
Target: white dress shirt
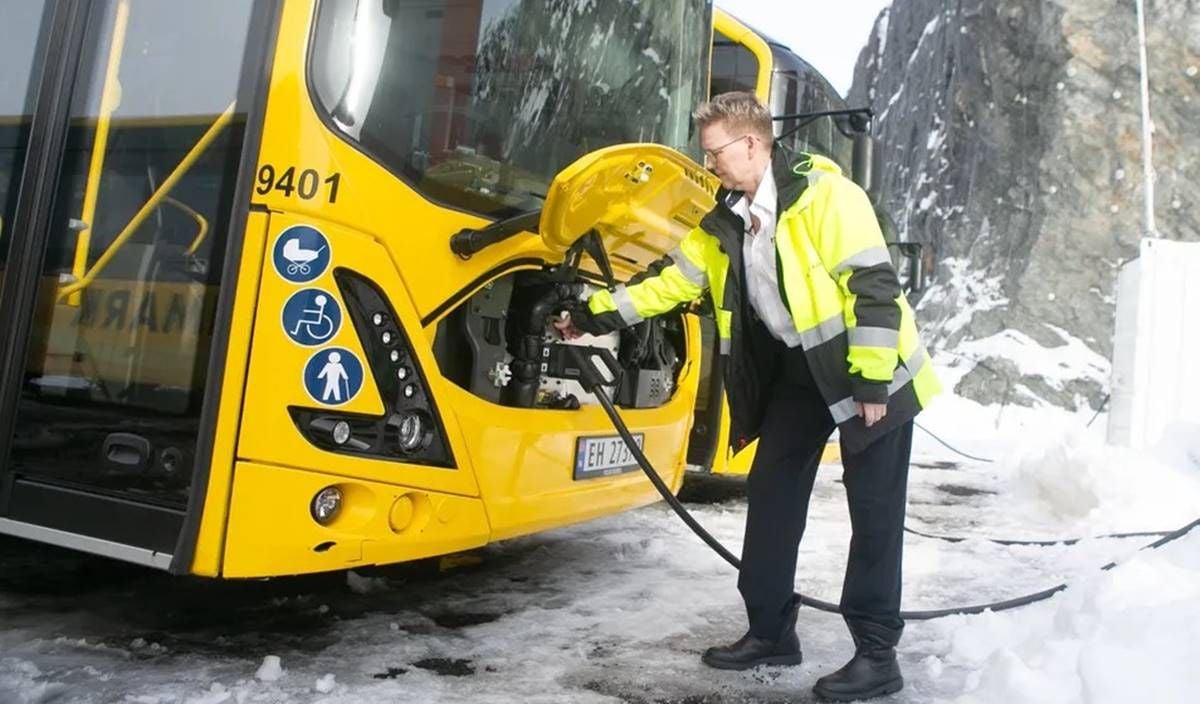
x,y
758,251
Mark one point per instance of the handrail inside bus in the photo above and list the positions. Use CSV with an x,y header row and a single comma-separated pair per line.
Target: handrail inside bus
x,y
159,195
201,223
110,98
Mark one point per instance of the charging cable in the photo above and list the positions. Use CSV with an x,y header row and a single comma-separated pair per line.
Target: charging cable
x,y
592,380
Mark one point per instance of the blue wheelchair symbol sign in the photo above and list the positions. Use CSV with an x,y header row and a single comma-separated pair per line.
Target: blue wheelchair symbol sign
x,y
301,254
333,376
311,317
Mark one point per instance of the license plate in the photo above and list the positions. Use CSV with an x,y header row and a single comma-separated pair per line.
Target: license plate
x,y
605,456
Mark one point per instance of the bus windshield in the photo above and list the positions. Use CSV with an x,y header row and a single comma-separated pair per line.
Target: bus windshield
x,y
479,103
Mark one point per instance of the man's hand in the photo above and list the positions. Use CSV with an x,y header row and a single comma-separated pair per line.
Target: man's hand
x,y
565,327
871,413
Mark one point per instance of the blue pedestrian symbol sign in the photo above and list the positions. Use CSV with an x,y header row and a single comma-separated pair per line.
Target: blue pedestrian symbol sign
x,y
311,317
333,376
301,254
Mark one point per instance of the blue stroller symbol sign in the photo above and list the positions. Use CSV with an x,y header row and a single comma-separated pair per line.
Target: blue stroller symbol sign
x,y
333,376
311,317
301,254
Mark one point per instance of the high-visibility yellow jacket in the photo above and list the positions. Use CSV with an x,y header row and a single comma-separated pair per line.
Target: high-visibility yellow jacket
x,y
835,277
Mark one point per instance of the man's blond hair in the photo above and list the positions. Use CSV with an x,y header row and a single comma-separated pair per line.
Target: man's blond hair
x,y
740,112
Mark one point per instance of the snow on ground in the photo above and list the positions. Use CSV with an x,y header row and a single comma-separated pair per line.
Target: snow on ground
x,y
619,609
1119,636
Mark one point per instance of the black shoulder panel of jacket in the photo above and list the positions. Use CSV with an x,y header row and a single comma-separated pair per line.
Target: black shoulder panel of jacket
x,y
788,184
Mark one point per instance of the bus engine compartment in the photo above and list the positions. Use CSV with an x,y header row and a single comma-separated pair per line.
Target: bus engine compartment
x,y
500,345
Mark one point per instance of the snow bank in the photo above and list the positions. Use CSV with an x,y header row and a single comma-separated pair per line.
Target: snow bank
x,y
270,670
1086,486
1120,636
325,684
216,694
1056,476
21,678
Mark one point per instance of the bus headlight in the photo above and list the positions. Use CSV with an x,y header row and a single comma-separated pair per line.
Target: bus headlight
x,y
411,430
335,430
341,432
326,504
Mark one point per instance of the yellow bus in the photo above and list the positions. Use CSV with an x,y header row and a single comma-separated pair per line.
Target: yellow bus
x,y
277,275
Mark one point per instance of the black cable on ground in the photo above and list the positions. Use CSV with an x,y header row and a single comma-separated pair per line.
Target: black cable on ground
x,y
1099,411
1037,596
1043,543
594,386
950,447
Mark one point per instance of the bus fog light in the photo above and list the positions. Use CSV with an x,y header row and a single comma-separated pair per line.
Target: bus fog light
x,y
340,432
326,504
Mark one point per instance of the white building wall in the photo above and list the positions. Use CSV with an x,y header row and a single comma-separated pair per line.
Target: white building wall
x,y
1156,346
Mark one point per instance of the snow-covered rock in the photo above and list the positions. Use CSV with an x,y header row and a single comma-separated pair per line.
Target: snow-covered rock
x,y
1011,136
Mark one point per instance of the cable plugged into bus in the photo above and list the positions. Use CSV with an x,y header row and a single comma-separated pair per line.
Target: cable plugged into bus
x,y
499,344
533,304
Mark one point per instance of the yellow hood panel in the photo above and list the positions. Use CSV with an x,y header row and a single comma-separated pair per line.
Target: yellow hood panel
x,y
641,198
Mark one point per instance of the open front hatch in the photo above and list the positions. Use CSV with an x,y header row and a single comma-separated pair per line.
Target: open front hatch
x,y
640,199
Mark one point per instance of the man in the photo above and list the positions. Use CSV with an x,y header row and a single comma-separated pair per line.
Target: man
x,y
815,334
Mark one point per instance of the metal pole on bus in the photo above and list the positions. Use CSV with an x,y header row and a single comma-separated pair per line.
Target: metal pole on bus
x,y
1150,229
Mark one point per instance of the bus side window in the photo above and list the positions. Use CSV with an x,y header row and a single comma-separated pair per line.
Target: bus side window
x,y
18,54
785,100
734,67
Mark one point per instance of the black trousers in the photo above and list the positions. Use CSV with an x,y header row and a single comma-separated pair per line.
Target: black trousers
x,y
795,429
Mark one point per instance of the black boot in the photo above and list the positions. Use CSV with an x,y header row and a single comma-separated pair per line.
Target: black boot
x,y
872,672
751,651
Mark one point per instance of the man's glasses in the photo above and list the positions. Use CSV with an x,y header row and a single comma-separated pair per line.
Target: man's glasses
x,y
712,154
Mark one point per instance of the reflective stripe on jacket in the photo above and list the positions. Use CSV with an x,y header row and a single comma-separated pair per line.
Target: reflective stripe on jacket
x,y
837,280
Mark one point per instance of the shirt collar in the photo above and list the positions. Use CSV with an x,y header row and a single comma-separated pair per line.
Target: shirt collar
x,y
765,197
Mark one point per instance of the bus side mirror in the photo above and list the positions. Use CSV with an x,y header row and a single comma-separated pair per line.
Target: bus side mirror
x,y
867,167
911,267
907,257
860,121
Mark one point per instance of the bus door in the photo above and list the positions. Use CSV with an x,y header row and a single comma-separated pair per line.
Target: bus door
x,y
119,191
741,61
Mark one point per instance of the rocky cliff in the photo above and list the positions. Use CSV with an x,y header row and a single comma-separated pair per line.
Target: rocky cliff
x,y
1011,135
